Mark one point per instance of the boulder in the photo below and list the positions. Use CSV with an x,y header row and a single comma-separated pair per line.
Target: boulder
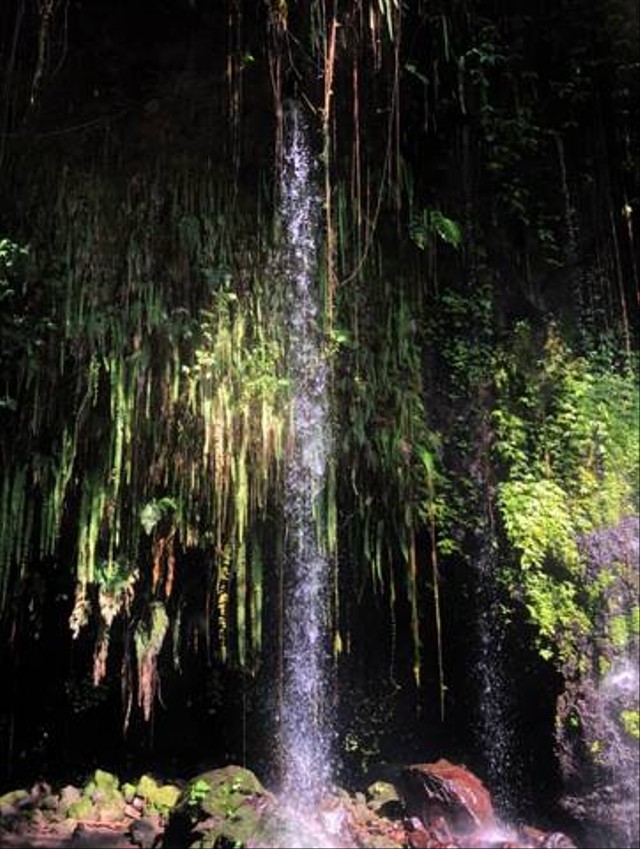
x,y
443,789
223,807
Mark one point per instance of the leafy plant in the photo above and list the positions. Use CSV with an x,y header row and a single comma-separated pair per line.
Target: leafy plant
x,y
197,792
432,223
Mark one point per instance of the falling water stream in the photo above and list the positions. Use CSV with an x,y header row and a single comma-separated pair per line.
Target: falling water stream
x,y
494,730
619,691
305,737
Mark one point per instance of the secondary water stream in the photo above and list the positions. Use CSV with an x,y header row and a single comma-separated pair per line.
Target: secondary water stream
x,y
494,729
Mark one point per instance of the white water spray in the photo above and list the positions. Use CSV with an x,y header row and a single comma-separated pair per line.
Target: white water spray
x,y
305,736
620,690
495,732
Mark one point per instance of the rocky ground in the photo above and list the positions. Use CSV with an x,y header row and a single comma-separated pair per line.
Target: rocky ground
x,y
429,806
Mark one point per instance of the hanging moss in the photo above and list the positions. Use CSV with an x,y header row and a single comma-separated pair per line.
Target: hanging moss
x,y
148,640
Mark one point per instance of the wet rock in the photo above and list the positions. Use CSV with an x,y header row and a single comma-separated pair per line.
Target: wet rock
x,y
226,806
38,792
159,798
417,835
383,799
68,795
50,803
145,832
595,745
17,799
443,789
132,812
356,824
82,809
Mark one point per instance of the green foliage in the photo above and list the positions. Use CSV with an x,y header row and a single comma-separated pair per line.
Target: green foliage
x,y
197,791
566,434
155,510
150,398
623,627
431,223
538,522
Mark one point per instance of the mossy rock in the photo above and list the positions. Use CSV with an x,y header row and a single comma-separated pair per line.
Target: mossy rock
x,y
109,812
221,792
159,797
630,721
105,781
83,809
243,829
223,807
128,791
14,798
383,799
146,787
68,795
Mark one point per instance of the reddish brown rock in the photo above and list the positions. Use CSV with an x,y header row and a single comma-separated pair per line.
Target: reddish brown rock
x,y
443,789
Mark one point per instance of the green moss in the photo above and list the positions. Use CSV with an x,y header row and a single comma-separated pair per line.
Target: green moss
x,y
623,627
146,787
105,781
160,798
14,797
81,810
630,720
221,792
128,791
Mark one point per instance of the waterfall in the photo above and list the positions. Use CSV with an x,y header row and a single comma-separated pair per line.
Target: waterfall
x,y
305,739
494,728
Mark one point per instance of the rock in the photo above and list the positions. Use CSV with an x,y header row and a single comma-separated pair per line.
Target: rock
x,y
81,810
157,797
38,792
108,804
383,799
349,821
68,795
110,812
132,812
145,832
16,799
50,803
417,835
128,791
443,789
223,807
105,780
557,840
7,811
